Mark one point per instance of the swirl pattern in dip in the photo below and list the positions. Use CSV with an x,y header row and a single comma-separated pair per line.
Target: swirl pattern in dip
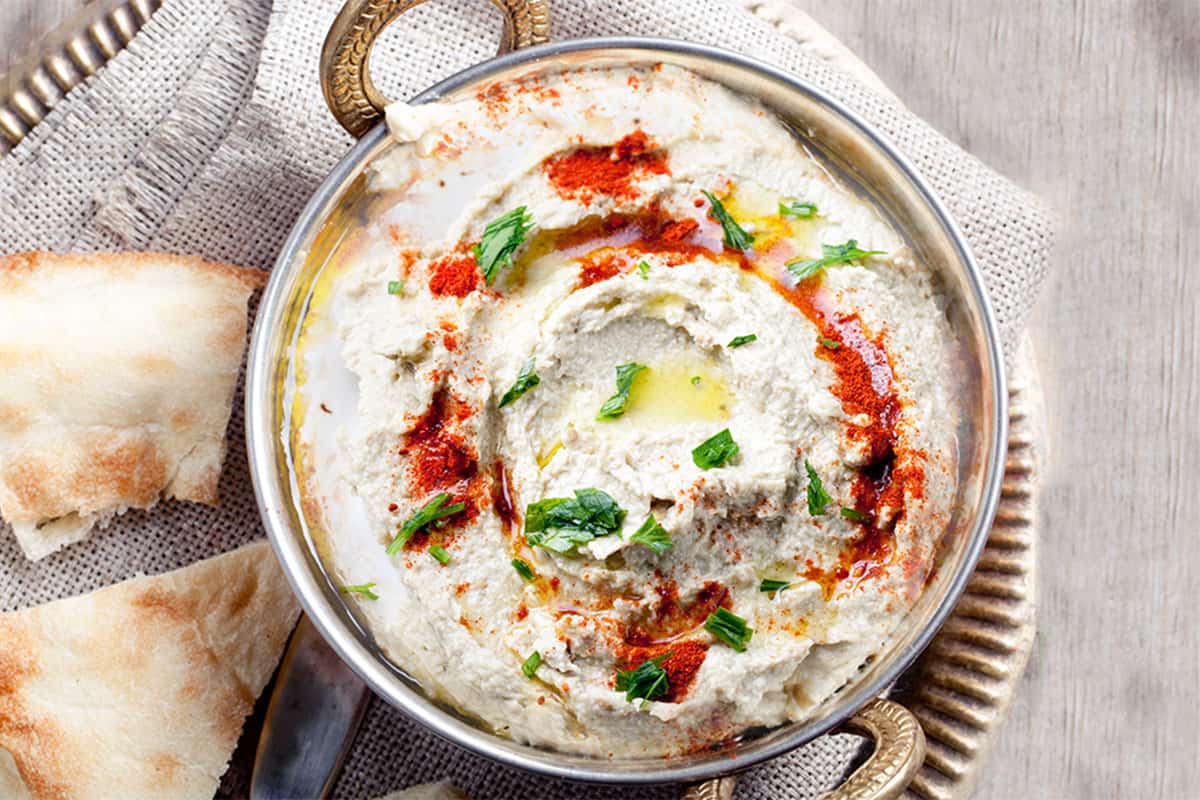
x,y
675,471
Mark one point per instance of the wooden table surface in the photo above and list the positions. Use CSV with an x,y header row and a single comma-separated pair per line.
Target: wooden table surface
x,y
1096,107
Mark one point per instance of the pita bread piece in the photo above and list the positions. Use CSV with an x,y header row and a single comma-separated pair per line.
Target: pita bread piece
x,y
141,689
116,377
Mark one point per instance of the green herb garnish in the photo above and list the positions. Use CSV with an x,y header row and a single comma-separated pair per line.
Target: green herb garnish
x,y
771,585
647,682
830,343
695,380
644,270
832,254
715,451
729,628
500,239
735,236
394,287
653,535
524,570
854,515
797,209
563,523
738,341
530,667
440,554
362,588
526,380
429,513
818,498
615,406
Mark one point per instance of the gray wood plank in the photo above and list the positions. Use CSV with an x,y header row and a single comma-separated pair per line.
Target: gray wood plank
x,y
1095,106
24,22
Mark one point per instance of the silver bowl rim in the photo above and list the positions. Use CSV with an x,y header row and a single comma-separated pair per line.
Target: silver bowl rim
x,y
261,444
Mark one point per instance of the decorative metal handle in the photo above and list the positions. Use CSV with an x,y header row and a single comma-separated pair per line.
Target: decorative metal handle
x,y
899,753
346,54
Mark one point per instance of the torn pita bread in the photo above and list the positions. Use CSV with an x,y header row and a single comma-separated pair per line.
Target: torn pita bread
x,y
442,790
140,689
116,377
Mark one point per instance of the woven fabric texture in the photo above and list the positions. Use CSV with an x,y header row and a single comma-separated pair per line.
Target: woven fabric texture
x,y
208,134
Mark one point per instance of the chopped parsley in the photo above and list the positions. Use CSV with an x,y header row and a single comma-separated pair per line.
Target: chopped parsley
x,y
428,514
653,535
530,667
500,240
729,628
695,380
771,585
818,498
831,254
440,554
524,570
715,451
647,682
644,270
362,588
854,515
526,380
563,523
735,236
394,287
615,406
797,209
738,341
830,343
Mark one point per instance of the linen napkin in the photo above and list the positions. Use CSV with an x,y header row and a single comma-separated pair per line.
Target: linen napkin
x,y
209,133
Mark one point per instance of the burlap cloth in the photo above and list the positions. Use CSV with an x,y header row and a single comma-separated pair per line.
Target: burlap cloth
x,y
208,134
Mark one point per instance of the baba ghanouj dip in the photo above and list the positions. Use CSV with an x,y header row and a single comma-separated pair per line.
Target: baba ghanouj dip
x,y
627,424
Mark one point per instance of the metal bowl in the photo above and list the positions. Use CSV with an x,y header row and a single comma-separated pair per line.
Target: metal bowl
x,y
859,152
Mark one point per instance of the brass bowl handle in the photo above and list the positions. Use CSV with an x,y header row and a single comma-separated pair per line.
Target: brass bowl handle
x,y
346,54
899,753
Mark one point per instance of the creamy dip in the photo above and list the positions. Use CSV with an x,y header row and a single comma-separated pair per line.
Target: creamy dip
x,y
668,227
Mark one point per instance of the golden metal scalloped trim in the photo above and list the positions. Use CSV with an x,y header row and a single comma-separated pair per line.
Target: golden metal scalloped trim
x,y
74,52
963,684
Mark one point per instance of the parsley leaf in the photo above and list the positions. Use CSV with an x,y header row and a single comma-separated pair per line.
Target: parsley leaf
x,y
797,209
818,498
394,287
830,343
562,523
735,236
647,682
695,380
832,254
653,535
500,240
854,515
644,270
715,451
615,406
729,628
440,554
771,585
363,588
526,380
524,570
530,667
428,514
738,341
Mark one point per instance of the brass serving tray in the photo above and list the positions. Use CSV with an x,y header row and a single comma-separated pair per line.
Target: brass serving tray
x,y
962,686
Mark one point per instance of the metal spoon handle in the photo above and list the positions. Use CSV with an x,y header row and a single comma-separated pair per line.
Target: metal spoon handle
x,y
311,721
